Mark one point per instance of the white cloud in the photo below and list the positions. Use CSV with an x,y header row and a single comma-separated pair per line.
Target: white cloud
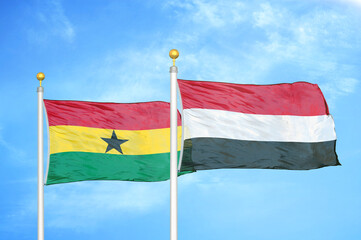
x,y
80,205
302,40
211,13
123,75
313,44
13,151
306,41
348,85
267,16
353,2
84,205
214,186
53,22
335,88
135,75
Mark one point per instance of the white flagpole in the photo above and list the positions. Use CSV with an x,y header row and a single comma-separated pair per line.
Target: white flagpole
x,y
40,76
173,148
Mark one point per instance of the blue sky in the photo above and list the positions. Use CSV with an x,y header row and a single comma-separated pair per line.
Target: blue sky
x,y
118,51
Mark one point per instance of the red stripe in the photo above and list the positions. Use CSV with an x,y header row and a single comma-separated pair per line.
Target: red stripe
x,y
121,116
300,98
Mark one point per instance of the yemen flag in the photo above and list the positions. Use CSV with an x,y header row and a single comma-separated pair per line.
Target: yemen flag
x,y
108,141
281,126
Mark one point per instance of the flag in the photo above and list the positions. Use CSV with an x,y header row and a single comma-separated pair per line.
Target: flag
x,y
280,126
108,141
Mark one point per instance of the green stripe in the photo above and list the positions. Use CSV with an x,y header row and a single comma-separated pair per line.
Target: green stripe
x,y
81,166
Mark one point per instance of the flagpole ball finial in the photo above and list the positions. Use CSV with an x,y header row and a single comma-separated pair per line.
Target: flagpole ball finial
x,y
40,76
173,54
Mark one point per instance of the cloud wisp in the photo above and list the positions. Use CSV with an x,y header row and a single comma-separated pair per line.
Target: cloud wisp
x,y
271,43
229,41
80,205
13,151
52,22
84,205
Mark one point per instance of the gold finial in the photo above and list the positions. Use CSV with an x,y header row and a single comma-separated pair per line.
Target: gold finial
x,y
40,76
173,54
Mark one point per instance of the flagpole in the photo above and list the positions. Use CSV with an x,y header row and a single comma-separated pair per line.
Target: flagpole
x,y
40,76
173,148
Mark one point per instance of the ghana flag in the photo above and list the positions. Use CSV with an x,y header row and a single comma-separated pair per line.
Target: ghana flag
x,y
108,141
280,126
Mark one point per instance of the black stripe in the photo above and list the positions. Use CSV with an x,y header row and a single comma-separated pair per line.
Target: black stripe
x,y
215,153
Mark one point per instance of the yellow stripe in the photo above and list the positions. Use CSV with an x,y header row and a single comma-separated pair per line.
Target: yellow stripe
x,y
85,139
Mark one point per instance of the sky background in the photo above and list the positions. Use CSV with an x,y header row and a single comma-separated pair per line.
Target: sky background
x,y
118,51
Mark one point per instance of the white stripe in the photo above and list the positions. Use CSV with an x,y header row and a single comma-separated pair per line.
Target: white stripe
x,y
257,127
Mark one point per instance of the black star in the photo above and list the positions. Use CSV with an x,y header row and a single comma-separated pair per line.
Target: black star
x,y
114,142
